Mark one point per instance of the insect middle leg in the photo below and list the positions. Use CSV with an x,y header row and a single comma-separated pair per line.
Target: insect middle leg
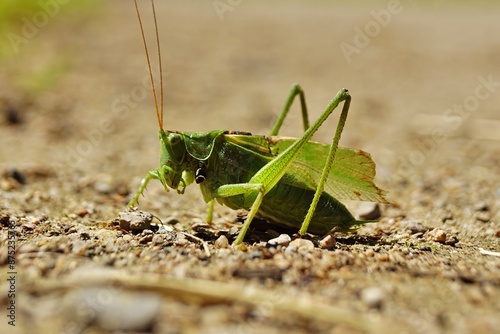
x,y
255,191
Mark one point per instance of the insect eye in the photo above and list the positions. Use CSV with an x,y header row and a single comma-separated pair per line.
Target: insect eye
x,y
175,148
174,139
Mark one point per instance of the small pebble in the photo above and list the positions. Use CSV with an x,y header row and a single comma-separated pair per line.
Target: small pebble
x,y
369,211
79,247
370,252
383,257
481,206
483,217
221,242
451,241
145,239
417,235
261,244
199,224
181,240
28,226
16,175
158,239
164,229
9,184
121,313
71,230
300,245
415,226
4,220
171,220
256,254
135,220
84,236
498,233
234,230
103,187
82,213
373,297
437,235
282,239
327,242
13,115
447,217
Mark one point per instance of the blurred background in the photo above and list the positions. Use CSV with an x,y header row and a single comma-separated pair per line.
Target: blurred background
x,y
78,132
74,91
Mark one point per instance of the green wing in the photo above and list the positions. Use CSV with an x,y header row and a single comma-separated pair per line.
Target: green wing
x,y
351,177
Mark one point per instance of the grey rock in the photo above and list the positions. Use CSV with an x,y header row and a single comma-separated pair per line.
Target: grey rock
x,y
369,211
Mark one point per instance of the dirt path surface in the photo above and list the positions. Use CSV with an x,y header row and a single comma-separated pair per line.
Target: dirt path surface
x,y
78,133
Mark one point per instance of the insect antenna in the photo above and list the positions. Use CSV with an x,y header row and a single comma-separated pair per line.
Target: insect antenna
x,y
158,104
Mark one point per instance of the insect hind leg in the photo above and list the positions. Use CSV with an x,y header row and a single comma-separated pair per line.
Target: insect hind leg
x,y
328,164
294,91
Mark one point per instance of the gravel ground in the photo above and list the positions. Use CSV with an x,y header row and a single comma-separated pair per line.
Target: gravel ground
x,y
78,134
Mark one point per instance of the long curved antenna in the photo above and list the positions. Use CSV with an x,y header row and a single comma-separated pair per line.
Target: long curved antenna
x,y
159,112
159,63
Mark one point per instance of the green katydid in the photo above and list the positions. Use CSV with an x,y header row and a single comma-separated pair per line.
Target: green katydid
x,y
285,181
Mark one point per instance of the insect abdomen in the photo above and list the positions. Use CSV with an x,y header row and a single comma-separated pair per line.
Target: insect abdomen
x,y
288,205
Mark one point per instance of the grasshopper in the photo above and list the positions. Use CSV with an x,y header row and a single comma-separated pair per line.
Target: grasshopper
x,y
285,181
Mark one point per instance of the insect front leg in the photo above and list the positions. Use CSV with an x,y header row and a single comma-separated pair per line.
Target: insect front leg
x,y
152,174
210,211
294,91
249,190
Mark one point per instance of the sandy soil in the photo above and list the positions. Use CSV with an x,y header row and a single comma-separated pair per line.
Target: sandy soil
x,y
78,133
